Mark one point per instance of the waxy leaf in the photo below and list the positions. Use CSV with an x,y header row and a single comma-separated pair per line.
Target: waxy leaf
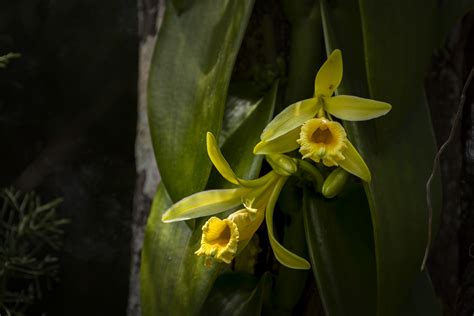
x,y
168,260
238,294
341,247
189,76
386,50
168,263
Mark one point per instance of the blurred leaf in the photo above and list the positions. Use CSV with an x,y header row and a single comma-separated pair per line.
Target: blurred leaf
x,y
340,243
386,50
254,304
306,48
182,5
229,291
237,294
189,75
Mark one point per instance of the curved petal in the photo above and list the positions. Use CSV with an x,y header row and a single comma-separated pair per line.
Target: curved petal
x,y
290,118
353,163
224,168
283,255
218,159
204,203
283,144
329,75
350,108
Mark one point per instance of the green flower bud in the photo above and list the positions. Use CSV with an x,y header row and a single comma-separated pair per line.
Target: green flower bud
x,y
282,164
335,182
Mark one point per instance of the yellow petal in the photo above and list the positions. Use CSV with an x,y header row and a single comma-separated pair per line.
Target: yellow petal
x,y
329,75
283,255
247,224
352,108
283,144
224,168
218,159
204,203
353,163
290,118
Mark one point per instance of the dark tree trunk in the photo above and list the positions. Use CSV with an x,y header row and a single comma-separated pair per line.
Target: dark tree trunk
x,y
149,18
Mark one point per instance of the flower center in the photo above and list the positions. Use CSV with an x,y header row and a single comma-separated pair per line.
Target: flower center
x,y
218,234
322,140
322,135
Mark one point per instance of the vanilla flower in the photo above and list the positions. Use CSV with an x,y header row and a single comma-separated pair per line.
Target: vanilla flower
x,y
223,239
308,124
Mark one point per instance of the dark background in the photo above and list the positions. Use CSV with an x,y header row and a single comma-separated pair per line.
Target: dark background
x,y
67,126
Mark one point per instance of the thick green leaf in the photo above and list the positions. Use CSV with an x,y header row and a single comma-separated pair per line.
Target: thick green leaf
x,y
189,76
169,263
237,294
341,246
168,260
255,303
386,50
422,300
306,48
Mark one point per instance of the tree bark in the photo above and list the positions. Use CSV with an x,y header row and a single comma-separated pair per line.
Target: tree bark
x,y
150,13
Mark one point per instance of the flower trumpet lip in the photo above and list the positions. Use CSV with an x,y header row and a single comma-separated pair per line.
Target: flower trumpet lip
x,y
220,239
223,239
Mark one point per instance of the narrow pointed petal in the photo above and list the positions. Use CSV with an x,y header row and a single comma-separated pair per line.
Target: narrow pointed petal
x,y
283,144
218,159
283,255
290,118
353,163
352,108
204,203
224,168
329,75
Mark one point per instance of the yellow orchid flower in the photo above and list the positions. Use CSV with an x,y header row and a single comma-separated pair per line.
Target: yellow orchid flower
x,y
223,239
308,124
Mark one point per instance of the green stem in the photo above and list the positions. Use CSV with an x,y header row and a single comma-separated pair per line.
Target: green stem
x,y
313,172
